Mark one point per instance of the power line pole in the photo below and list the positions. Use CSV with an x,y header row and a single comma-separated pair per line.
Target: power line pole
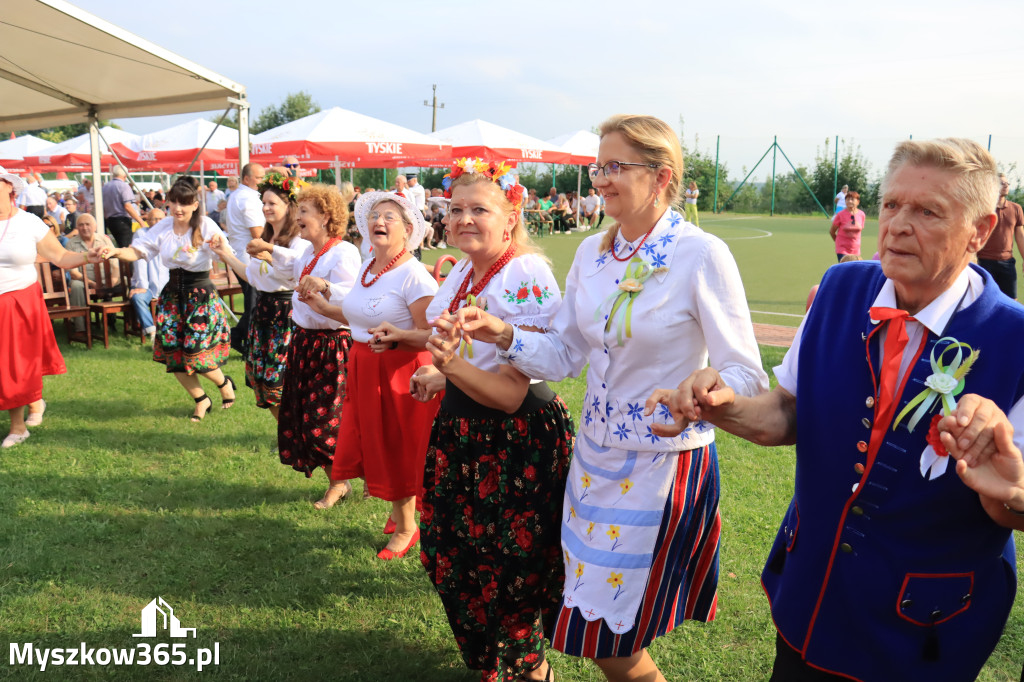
x,y
435,106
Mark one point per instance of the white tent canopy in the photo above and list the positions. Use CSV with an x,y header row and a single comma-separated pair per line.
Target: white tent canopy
x,y
356,140
78,152
62,65
494,143
14,150
582,144
174,148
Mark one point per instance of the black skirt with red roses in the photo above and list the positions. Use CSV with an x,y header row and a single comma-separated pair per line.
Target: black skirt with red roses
x,y
490,525
314,388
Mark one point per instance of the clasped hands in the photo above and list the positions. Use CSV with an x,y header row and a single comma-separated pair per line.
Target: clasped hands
x,y
451,330
978,434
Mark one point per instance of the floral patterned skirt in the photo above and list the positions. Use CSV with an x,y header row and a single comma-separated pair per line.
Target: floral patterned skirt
x,y
314,388
270,332
192,333
490,531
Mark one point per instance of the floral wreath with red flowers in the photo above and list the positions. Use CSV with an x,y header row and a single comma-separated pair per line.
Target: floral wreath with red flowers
x,y
283,184
498,173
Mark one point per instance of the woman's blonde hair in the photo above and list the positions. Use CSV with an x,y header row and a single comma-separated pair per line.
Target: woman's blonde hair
x,y
519,234
655,142
328,200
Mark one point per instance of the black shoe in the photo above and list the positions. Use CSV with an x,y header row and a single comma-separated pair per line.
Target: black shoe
x,y
225,404
196,417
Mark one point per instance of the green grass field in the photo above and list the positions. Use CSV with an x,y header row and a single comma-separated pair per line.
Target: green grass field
x,y
118,499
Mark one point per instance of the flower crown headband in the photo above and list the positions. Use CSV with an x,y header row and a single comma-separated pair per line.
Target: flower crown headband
x,y
284,184
498,173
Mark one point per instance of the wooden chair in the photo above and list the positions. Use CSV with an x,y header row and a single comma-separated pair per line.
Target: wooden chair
x,y
226,281
110,297
59,307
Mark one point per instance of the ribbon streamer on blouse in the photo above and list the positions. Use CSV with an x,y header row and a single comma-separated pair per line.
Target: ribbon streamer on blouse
x,y
945,382
632,283
467,348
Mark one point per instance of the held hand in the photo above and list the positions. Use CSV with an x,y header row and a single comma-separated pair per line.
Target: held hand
x,y
968,432
663,396
95,254
258,246
315,301
309,285
219,245
102,252
702,395
264,256
386,336
425,383
479,324
1001,476
444,346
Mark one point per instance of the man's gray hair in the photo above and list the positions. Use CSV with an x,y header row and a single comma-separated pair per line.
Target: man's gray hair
x,y
977,187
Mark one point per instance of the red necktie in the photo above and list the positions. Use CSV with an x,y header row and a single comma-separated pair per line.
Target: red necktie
x,y
896,339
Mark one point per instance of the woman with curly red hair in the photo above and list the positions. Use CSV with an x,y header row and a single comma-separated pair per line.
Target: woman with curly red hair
x,y
314,383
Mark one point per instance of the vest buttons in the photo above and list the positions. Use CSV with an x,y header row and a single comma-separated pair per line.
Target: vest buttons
x,y
906,604
936,614
966,598
866,422
846,548
859,468
870,402
857,511
862,446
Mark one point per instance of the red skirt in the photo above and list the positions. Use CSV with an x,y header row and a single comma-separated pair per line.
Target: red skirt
x,y
384,431
28,349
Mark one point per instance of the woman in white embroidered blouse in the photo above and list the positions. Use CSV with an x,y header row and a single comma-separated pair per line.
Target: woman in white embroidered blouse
x,y
193,339
271,272
315,378
645,304
499,449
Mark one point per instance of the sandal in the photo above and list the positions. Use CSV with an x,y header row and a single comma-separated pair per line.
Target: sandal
x,y
225,403
332,496
200,417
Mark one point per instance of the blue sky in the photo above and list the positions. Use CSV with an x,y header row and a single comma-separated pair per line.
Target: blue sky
x,y
871,72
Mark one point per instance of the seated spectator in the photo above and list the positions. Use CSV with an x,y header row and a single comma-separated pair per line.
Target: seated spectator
x,y
54,226
71,219
54,209
148,279
591,209
85,240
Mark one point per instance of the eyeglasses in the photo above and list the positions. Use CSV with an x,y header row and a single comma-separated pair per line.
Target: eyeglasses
x,y
613,168
389,218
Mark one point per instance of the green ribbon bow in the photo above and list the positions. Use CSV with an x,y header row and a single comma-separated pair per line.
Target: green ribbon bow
x,y
945,382
466,348
630,286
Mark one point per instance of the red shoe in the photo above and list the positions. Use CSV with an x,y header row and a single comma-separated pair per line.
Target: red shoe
x,y
387,555
390,526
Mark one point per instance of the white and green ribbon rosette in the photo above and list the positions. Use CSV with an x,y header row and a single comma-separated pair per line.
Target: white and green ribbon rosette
x,y
621,314
945,382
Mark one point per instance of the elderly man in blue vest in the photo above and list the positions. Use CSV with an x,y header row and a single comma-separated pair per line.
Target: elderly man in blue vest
x,y
893,562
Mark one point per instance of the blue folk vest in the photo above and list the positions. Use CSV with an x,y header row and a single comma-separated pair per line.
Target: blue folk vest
x,y
878,573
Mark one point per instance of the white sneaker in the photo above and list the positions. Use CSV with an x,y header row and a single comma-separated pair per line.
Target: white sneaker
x,y
151,335
13,439
35,418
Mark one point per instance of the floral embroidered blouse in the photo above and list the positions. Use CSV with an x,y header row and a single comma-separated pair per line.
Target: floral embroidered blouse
x,y
523,293
690,309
